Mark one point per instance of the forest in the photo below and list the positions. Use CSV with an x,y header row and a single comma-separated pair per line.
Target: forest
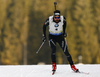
x,y
21,29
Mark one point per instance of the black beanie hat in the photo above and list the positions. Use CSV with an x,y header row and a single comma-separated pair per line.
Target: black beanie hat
x,y
57,13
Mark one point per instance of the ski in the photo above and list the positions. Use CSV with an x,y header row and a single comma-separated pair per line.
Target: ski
x,y
53,72
82,72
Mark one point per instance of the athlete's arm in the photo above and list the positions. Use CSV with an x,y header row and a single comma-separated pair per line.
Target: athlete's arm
x,y
44,26
64,25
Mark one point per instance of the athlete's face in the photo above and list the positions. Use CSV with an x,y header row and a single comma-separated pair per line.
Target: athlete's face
x,y
56,19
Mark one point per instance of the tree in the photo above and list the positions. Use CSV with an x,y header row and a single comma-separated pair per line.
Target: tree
x,y
86,29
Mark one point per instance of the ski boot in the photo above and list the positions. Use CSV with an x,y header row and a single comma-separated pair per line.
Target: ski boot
x,y
53,67
74,68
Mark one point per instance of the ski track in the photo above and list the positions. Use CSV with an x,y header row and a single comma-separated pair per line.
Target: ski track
x,y
45,71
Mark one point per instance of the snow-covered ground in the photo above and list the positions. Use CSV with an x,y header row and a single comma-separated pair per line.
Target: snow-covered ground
x,y
45,71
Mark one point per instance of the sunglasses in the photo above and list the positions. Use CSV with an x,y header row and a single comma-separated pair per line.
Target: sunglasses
x,y
57,17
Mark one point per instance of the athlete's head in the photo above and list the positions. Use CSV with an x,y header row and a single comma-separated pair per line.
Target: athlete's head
x,y
56,16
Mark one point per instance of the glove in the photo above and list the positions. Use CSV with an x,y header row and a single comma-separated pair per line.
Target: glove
x,y
65,35
44,38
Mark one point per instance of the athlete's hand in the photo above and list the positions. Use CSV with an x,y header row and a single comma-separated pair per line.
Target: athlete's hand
x,y
44,38
65,35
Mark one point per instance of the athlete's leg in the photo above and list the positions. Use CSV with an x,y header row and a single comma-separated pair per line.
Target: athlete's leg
x,y
53,48
63,45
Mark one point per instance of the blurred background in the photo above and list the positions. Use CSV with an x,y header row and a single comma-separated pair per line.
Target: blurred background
x,y
21,23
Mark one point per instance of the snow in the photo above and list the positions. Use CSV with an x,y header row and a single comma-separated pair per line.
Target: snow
x,y
45,71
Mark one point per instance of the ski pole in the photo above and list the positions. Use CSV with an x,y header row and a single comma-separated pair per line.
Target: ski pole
x,y
40,46
65,44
